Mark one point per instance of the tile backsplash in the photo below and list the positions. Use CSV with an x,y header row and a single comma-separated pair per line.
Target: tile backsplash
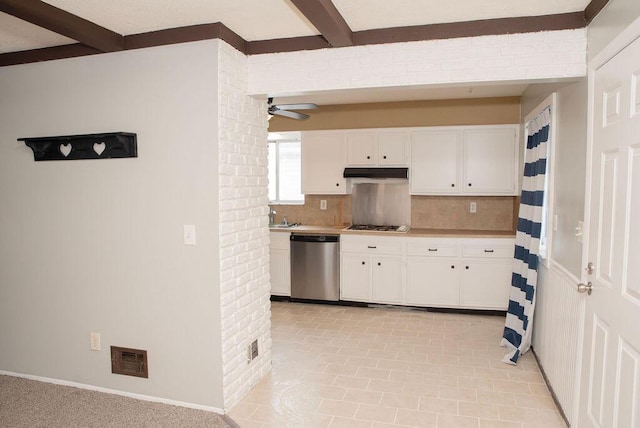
x,y
428,212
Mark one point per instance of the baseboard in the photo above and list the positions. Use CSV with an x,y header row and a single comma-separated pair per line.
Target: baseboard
x,y
553,394
116,392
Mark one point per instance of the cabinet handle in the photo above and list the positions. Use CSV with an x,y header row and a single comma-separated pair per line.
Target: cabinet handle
x,y
372,247
488,251
433,249
379,264
362,262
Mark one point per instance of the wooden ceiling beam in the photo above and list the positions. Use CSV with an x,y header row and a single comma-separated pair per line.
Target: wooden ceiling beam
x,y
328,20
59,21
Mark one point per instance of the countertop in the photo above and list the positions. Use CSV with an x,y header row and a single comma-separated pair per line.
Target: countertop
x,y
414,232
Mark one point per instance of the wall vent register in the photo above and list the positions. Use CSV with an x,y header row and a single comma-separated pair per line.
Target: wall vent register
x,y
130,362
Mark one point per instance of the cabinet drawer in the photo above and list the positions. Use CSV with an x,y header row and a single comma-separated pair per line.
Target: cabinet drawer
x,y
433,248
372,245
488,250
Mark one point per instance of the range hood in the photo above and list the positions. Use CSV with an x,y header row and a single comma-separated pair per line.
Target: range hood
x,y
376,173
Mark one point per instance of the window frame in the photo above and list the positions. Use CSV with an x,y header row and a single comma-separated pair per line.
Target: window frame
x,y
546,242
276,139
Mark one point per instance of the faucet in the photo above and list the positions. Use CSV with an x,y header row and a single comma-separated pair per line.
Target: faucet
x,y
272,216
285,222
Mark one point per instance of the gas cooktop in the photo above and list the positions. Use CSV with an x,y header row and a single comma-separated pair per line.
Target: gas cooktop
x,y
378,228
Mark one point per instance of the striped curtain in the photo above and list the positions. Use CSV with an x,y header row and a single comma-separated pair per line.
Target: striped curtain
x,y
519,321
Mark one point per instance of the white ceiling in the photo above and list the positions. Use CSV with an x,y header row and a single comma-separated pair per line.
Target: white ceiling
x,y
272,19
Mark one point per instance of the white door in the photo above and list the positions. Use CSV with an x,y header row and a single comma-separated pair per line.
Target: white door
x,y
610,379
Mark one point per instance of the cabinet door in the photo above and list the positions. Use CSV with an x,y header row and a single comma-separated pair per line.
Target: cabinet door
x,y
362,149
434,162
280,272
432,282
485,284
387,280
490,159
392,148
324,158
355,281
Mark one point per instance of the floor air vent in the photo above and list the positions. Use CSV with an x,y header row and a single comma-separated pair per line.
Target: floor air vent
x,y
130,362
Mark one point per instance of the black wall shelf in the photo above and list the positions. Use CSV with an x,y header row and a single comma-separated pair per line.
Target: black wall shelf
x,y
87,146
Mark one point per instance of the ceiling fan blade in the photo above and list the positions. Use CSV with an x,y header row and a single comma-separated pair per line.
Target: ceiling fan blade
x,y
301,106
291,114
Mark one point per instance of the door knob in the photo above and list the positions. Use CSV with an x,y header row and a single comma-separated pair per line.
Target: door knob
x,y
588,288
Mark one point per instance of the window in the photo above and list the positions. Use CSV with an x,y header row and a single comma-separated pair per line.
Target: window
x,y
285,169
546,231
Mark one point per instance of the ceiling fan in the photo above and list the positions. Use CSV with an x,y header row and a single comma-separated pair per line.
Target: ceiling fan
x,y
284,110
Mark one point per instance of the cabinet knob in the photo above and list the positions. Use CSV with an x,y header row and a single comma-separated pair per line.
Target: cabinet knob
x,y
379,264
337,184
469,184
466,267
453,267
453,185
384,157
362,262
368,157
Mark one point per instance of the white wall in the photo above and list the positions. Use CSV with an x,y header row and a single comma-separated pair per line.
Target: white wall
x,y
244,235
615,17
485,59
96,245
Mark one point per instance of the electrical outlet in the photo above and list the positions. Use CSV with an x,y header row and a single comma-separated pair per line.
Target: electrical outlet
x,y
473,207
252,351
323,204
94,341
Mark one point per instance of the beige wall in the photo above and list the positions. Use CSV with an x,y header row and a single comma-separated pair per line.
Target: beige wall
x,y
472,111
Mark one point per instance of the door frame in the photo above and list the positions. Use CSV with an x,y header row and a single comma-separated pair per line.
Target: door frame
x,y
621,41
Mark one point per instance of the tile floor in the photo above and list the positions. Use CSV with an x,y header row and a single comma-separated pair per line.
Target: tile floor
x,y
338,366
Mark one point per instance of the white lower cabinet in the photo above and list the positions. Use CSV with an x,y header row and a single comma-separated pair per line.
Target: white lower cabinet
x,y
372,269
485,284
472,273
280,263
355,281
432,282
386,282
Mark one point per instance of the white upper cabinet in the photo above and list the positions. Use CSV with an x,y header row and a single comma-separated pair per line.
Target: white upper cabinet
x,y
490,157
479,160
435,162
377,148
324,157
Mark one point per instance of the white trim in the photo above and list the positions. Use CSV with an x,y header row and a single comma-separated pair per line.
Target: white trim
x,y
551,103
116,392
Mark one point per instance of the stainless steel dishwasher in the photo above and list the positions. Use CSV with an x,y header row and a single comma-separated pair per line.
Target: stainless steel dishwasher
x,y
315,267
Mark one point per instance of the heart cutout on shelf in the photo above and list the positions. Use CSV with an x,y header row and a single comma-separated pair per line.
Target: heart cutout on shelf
x,y
99,147
65,149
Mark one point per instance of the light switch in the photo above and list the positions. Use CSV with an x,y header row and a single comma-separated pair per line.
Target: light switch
x,y
473,207
189,234
94,341
323,204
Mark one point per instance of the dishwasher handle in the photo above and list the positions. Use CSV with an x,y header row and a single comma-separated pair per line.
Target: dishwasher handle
x,y
314,238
